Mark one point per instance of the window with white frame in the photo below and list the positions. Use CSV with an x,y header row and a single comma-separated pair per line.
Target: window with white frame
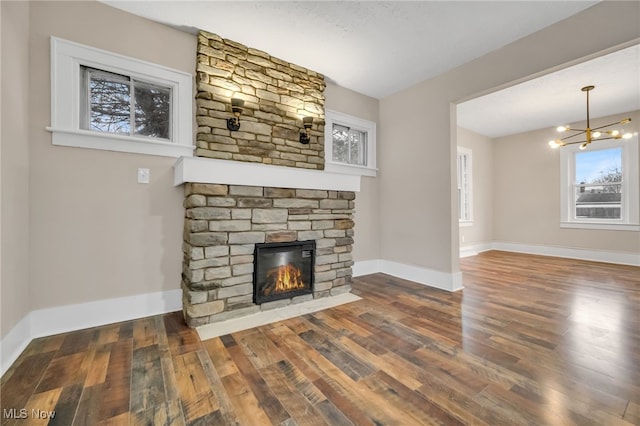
x,y
119,104
599,186
464,186
103,100
350,144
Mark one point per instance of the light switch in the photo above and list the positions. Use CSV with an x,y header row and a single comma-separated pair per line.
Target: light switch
x,y
143,175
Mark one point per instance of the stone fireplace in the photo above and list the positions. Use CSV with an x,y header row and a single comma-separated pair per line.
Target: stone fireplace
x,y
227,225
259,185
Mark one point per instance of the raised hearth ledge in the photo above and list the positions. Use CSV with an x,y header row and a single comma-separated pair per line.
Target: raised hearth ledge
x,y
210,170
216,329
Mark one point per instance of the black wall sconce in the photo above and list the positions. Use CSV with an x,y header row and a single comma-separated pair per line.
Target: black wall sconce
x,y
233,124
305,136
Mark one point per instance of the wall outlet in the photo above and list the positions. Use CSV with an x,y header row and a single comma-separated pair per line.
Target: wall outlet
x,y
144,175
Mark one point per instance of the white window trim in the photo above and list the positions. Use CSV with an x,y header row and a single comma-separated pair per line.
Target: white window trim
x,y
630,211
66,59
355,123
469,154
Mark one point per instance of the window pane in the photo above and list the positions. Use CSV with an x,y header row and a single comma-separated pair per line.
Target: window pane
x,y
601,166
598,201
340,144
464,205
596,197
357,148
153,111
109,100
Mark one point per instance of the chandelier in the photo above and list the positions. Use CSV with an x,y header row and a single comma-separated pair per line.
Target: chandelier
x,y
589,134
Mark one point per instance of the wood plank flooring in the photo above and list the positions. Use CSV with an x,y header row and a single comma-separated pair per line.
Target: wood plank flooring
x,y
531,340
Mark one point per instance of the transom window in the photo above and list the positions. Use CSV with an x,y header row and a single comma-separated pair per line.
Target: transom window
x,y
350,144
103,100
119,104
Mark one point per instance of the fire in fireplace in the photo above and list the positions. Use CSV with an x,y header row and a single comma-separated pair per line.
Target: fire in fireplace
x,y
283,270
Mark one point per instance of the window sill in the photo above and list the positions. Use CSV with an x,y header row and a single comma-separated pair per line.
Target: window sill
x,y
111,142
604,226
350,170
465,223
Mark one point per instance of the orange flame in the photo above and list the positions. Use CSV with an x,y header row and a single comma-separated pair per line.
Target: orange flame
x,y
286,278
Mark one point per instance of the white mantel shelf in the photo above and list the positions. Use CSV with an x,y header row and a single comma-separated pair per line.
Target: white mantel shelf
x,y
210,170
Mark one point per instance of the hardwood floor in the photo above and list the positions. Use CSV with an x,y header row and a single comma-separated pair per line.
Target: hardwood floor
x,y
531,340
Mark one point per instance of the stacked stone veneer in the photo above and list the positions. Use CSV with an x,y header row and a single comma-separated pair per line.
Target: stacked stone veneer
x,y
277,95
224,222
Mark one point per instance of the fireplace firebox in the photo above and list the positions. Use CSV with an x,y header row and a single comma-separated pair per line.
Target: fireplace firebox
x,y
283,270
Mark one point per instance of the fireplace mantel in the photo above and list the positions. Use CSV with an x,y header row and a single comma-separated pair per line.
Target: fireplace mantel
x,y
210,170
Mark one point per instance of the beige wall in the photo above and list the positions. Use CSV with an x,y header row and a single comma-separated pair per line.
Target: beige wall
x,y
367,218
418,211
14,157
481,229
95,233
527,195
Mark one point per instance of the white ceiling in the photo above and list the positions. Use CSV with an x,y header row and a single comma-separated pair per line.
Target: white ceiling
x,y
380,47
556,98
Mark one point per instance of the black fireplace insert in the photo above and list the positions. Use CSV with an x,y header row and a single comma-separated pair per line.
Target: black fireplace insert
x,y
283,270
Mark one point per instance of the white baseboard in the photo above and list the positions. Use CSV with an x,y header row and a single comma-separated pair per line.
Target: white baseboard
x,y
453,281
473,249
14,342
61,319
442,280
366,267
618,257
621,258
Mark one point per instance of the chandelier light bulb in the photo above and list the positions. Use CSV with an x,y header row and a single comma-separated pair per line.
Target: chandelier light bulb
x,y
563,128
614,133
627,136
584,145
596,134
